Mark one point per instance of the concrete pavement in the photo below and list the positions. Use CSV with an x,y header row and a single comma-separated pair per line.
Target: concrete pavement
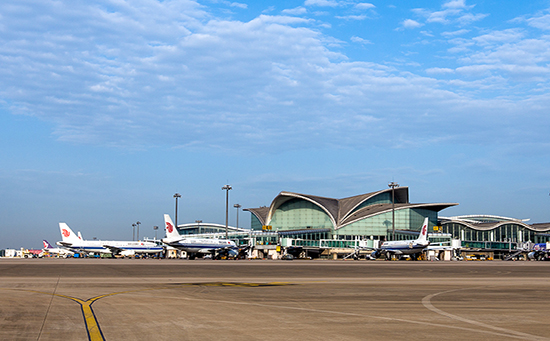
x,y
121,299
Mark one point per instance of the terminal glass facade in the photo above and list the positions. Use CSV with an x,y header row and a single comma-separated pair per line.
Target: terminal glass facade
x,y
504,233
382,198
303,215
380,226
298,214
199,229
255,223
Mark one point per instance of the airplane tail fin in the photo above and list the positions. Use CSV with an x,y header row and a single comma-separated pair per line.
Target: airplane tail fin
x,y
423,237
67,234
171,231
46,244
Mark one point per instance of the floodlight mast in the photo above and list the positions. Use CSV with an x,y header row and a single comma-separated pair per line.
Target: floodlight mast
x,y
137,224
226,188
177,195
392,185
237,206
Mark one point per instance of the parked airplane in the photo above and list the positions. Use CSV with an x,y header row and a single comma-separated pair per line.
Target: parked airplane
x,y
49,249
124,248
197,246
405,247
539,252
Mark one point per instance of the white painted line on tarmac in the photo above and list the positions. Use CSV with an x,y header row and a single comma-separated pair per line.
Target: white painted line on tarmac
x,y
426,301
505,333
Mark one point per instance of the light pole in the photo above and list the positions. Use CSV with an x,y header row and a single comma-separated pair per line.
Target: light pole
x,y
133,232
177,195
227,188
237,206
198,225
393,185
137,223
155,228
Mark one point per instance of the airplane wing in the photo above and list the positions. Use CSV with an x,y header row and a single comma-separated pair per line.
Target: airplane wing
x,y
356,251
114,250
214,250
173,243
69,246
226,251
246,248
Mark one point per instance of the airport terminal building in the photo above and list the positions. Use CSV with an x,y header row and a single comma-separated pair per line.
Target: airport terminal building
x,y
369,217
363,216
318,224
488,231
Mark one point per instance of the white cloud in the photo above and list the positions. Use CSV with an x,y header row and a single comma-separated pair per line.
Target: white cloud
x,y
365,5
321,3
439,70
469,18
505,56
499,37
455,33
172,73
441,16
411,24
360,40
455,4
542,22
239,5
452,12
295,11
352,17
461,45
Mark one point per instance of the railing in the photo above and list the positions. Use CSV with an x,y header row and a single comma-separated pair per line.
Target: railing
x,y
489,245
335,243
328,243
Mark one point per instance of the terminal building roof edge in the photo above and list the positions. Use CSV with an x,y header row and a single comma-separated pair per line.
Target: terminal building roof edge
x,y
343,212
346,211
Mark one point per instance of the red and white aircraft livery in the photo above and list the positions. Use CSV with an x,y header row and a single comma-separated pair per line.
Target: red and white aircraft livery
x,y
125,248
196,246
405,247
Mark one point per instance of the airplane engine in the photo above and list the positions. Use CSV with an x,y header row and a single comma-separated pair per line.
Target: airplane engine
x,y
531,255
127,253
375,254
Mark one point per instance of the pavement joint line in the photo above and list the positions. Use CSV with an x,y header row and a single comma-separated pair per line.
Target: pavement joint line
x,y
92,326
393,319
95,334
426,302
48,310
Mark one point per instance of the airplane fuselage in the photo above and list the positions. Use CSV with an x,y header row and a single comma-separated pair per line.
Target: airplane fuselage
x,y
201,245
58,251
403,247
113,246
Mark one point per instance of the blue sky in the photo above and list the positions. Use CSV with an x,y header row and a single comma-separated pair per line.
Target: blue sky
x,y
108,108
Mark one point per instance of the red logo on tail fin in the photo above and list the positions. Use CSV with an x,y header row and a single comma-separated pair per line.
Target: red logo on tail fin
x,y
65,233
169,227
